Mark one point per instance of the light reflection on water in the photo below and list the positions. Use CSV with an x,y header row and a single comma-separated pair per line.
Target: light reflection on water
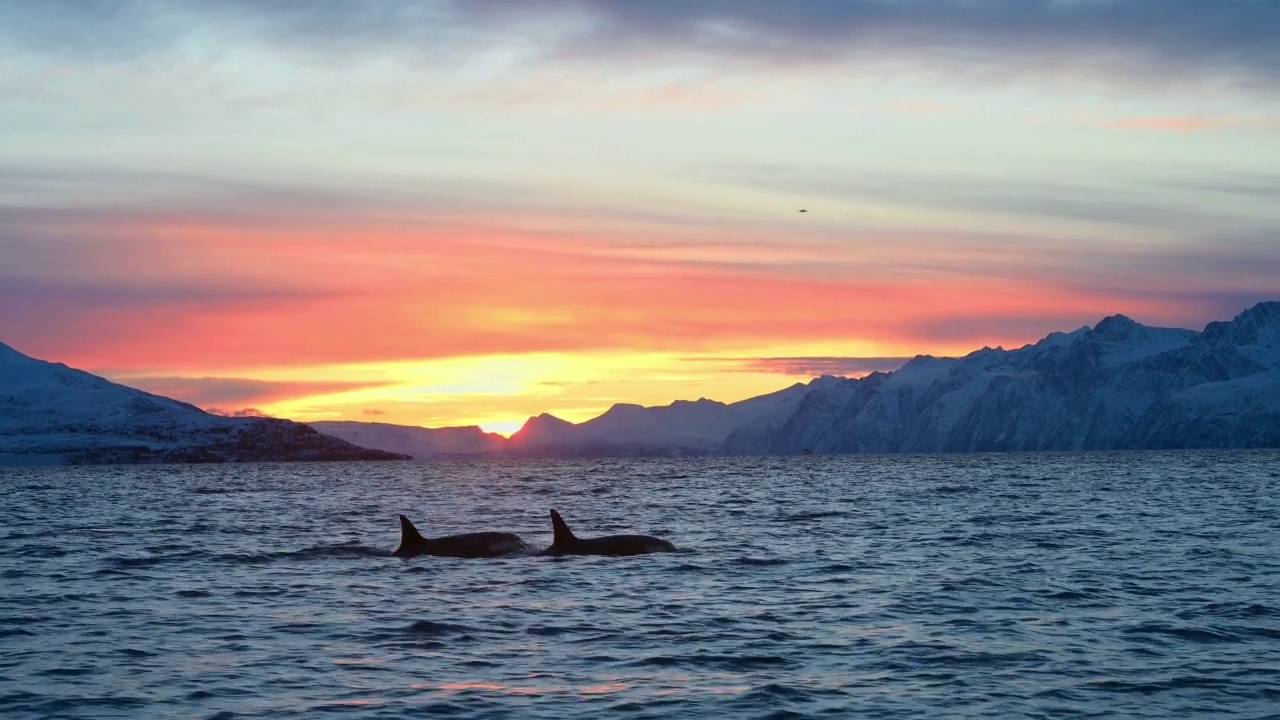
x,y
1141,585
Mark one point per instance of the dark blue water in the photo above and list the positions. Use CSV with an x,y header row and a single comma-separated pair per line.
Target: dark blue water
x,y
1098,585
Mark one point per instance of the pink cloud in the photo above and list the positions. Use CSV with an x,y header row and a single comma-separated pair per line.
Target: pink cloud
x,y
1193,123
1185,123
812,366
307,292
219,392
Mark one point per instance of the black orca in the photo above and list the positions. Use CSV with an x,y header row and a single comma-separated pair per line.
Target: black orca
x,y
467,545
565,543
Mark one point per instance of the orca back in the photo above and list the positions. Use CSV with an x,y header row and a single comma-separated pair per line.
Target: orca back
x,y
564,542
466,545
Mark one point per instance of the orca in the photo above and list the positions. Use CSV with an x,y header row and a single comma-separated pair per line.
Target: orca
x,y
566,543
467,545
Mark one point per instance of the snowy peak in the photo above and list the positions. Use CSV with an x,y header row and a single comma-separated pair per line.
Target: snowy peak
x,y
1060,339
52,413
1262,314
1117,328
9,356
1119,384
621,412
684,427
73,395
920,372
1254,333
700,402
1120,340
544,429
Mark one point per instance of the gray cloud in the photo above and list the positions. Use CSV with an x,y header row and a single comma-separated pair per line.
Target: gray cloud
x,y
214,392
1116,204
965,327
842,366
48,295
1260,186
96,195
242,412
1155,40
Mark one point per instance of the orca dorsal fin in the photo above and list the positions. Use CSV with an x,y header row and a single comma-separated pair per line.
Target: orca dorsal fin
x,y
408,531
562,533
411,541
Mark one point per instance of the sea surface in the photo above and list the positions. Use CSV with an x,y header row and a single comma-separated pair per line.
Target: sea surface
x,y
963,586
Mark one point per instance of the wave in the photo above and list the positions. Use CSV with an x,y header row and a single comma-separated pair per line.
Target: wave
x,y
129,563
814,515
433,628
1147,688
1196,635
759,562
316,552
219,490
731,663
953,489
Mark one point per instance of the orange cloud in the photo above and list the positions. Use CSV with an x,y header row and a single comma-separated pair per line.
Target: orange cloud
x,y
440,320
304,295
1185,123
212,393
1193,123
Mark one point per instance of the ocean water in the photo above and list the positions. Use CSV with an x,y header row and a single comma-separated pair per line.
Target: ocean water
x,y
1025,585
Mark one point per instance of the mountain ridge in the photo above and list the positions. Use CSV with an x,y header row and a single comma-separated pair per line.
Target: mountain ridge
x,y
52,413
1116,385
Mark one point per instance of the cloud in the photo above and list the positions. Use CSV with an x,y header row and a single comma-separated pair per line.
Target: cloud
x,y
1193,123
373,411
1099,200
1155,40
217,392
242,412
815,366
1184,123
172,294
1262,186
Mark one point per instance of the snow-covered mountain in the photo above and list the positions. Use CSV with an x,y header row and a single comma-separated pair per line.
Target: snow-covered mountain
x,y
1116,385
1119,384
684,427
417,442
50,413
699,427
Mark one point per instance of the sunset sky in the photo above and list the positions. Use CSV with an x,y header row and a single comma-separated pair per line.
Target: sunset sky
x,y
470,212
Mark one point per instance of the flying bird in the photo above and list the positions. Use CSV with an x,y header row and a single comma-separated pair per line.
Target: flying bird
x,y
802,210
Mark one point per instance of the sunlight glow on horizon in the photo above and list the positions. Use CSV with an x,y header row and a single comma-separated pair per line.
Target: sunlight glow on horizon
x,y
496,393
463,213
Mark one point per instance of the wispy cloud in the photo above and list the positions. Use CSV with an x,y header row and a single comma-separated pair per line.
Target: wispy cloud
x,y
216,392
1193,123
1154,39
816,366
528,279
241,412
1097,200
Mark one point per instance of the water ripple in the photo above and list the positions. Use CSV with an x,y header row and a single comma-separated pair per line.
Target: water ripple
x,y
1038,585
